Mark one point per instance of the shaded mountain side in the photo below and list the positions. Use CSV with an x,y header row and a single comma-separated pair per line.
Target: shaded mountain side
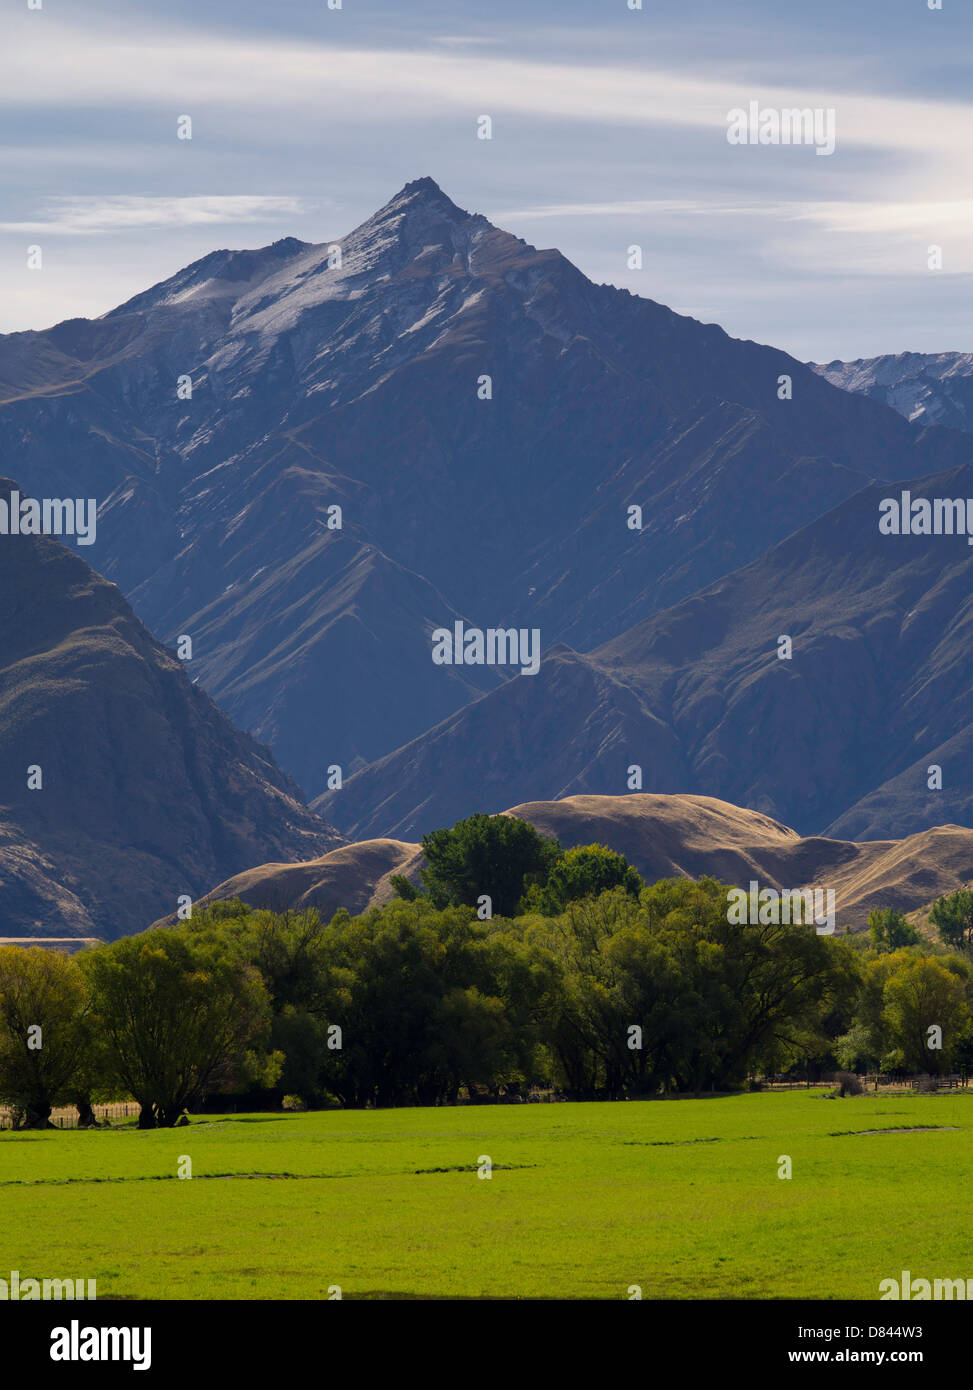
x,y
570,728
663,837
905,799
839,739
324,653
147,791
350,373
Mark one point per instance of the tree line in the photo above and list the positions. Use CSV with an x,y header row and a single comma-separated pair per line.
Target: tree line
x,y
576,976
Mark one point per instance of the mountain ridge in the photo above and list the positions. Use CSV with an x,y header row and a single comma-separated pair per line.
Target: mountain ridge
x,y
836,740
143,788
355,385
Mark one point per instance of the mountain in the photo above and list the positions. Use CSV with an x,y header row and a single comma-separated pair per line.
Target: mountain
x,y
147,790
838,740
663,837
352,374
927,387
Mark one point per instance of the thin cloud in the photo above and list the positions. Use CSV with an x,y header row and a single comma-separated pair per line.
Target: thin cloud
x,y
164,66
641,207
79,216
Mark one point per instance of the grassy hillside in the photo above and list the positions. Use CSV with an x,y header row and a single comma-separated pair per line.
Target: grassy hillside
x,y
680,1197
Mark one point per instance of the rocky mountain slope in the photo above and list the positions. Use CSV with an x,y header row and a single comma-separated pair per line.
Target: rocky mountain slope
x,y
839,739
146,790
352,374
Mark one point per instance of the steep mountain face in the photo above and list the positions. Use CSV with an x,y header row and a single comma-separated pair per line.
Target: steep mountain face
x,y
842,739
122,787
926,387
352,375
663,837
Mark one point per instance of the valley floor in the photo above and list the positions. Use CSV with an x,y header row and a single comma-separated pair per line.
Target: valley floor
x,y
681,1198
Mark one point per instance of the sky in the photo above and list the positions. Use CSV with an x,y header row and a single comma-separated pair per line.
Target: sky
x,y
609,130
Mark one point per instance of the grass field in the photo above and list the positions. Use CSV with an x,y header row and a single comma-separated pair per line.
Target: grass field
x,y
680,1197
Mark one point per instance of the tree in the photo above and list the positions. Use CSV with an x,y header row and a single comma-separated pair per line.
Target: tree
x,y
295,954
496,856
890,929
758,987
953,917
43,1032
583,872
922,994
404,888
179,1011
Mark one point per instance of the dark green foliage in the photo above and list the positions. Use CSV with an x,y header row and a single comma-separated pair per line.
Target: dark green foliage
x,y
413,1004
889,929
178,1013
584,872
494,856
404,888
953,917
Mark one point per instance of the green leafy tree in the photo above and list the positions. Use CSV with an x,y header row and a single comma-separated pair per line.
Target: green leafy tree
x,y
180,1013
496,856
309,993
921,995
404,888
953,917
759,987
433,1001
854,1051
583,872
889,929
44,1033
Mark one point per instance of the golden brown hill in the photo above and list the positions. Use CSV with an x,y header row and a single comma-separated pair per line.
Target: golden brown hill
x,y
663,837
354,876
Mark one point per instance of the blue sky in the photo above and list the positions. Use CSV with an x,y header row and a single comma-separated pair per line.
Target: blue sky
x,y
609,131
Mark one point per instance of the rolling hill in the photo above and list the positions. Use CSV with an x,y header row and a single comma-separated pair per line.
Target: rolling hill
x,y
663,837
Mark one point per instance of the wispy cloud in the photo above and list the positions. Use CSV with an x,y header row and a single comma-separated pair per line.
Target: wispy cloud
x,y
641,207
608,130
87,215
167,67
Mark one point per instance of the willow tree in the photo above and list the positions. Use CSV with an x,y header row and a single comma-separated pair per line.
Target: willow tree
x,y
178,1014
43,1032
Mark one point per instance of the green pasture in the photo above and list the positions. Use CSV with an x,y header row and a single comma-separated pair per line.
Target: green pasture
x,y
679,1197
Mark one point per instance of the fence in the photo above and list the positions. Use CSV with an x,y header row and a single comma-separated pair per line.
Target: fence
x,y
876,1081
873,1081
66,1116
